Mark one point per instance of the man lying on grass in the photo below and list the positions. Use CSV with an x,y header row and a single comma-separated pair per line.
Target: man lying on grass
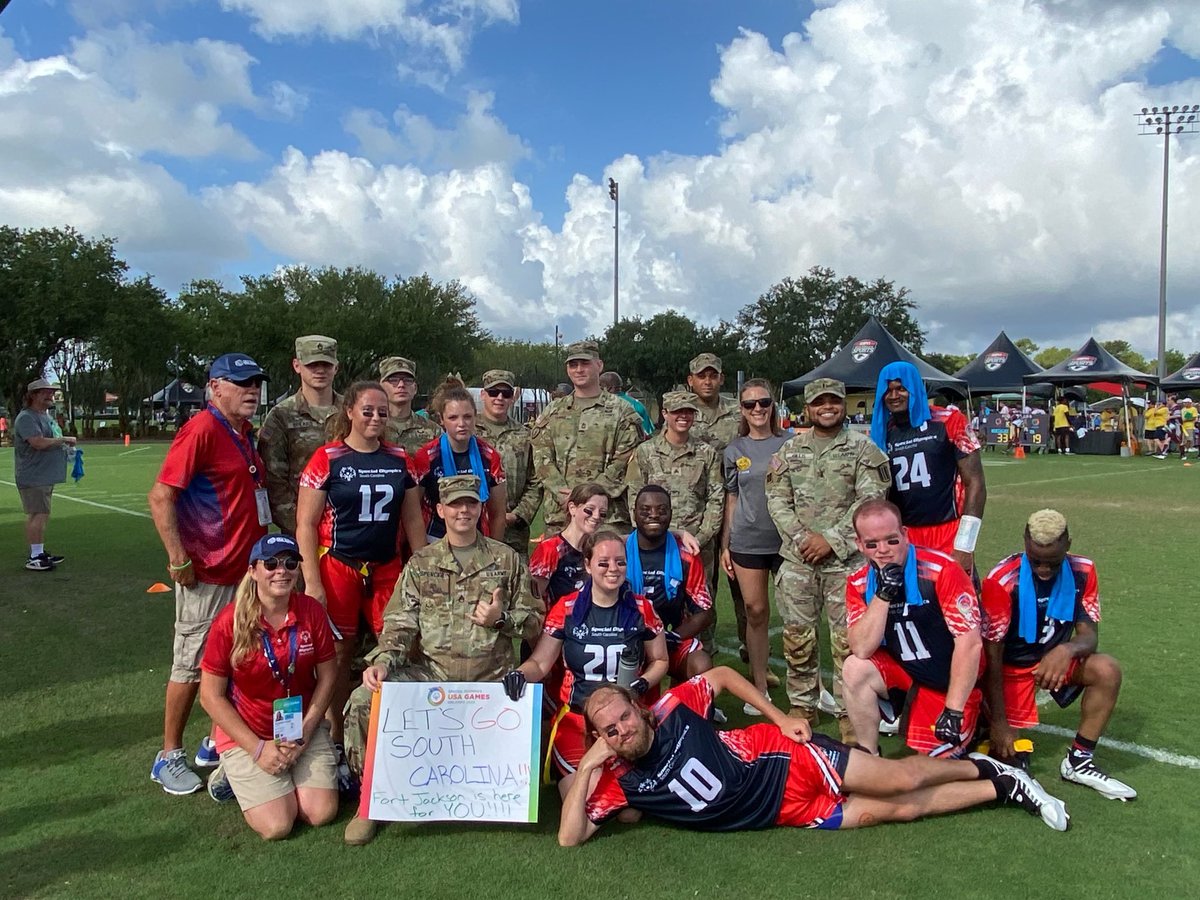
x,y
670,762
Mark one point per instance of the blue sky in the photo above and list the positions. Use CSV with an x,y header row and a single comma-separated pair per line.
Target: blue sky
x,y
956,146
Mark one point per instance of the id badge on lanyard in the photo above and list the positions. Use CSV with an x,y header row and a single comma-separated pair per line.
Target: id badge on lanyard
x,y
263,506
287,713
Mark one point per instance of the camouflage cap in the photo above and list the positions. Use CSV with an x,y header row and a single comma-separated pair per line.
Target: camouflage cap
x,y
313,348
455,487
705,361
816,388
499,376
394,364
674,401
583,350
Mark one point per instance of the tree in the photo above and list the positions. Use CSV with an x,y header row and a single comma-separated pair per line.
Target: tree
x,y
1175,361
1052,356
135,339
1126,354
799,323
1026,346
533,365
947,362
56,285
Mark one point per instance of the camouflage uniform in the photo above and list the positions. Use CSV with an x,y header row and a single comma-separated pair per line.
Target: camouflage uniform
x,y
412,433
815,486
577,440
511,439
428,634
720,426
291,433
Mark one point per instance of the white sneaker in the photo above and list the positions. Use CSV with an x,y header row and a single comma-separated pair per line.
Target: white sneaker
x,y
1087,774
719,716
1016,786
828,703
889,722
753,711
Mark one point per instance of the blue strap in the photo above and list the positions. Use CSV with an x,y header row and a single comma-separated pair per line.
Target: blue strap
x,y
450,467
273,662
628,612
918,402
672,566
1062,599
912,585
247,454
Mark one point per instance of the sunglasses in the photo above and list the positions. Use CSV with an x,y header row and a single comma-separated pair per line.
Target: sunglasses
x,y
761,403
891,542
373,413
290,563
505,392
400,379
243,383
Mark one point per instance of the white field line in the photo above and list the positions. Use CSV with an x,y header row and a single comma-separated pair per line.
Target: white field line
x,y
62,496
1108,474
134,450
1152,753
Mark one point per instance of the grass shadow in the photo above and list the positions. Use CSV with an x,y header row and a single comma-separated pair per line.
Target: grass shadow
x,y
77,739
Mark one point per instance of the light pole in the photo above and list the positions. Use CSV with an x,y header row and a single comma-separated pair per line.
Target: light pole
x,y
615,195
1166,120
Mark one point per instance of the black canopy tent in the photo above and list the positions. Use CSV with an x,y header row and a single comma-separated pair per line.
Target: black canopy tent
x,y
177,393
1092,364
1184,379
857,365
1001,369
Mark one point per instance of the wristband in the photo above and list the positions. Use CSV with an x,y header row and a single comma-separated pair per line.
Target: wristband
x,y
175,568
968,533
502,621
258,752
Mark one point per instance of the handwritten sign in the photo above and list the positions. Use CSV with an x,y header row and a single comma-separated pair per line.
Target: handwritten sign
x,y
452,752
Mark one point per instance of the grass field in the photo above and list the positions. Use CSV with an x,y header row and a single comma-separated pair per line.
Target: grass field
x,y
84,654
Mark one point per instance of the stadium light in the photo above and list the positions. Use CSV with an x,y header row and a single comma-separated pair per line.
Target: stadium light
x,y
1166,120
614,194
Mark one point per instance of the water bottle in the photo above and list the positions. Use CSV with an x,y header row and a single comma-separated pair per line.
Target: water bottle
x,y
628,666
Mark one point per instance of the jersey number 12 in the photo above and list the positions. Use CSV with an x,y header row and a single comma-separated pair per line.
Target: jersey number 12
x,y
378,512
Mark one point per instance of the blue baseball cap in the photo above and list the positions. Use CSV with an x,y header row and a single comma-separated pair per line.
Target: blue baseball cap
x,y
272,545
236,367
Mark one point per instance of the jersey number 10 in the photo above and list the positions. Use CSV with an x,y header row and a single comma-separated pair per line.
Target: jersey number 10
x,y
696,785
907,474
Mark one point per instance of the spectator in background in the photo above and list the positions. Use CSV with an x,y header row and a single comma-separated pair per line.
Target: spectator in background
x,y
522,484
39,463
405,428
612,382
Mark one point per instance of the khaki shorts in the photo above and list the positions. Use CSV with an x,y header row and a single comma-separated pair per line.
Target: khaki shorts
x,y
315,768
195,609
36,500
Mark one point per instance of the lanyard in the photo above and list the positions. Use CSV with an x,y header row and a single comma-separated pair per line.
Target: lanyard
x,y
273,662
248,456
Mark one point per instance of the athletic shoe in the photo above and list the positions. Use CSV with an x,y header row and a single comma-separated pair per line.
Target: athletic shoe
x,y
719,716
889,722
39,563
347,783
750,710
1086,773
1014,786
207,756
172,772
828,703
219,787
55,559
997,767
360,831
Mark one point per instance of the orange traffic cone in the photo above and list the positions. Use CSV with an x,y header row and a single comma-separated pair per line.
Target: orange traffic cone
x,y
158,588
1019,453
126,440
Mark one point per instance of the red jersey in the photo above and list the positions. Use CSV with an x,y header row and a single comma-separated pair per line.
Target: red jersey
x,y
561,565
428,466
363,493
592,648
1002,609
252,685
920,637
209,463
925,482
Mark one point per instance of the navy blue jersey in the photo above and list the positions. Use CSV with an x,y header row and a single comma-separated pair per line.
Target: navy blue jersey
x,y
691,594
925,466
428,468
561,565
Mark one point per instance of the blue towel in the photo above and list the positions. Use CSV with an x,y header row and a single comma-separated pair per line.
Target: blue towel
x,y
912,587
628,611
918,402
672,566
450,467
77,469
1062,599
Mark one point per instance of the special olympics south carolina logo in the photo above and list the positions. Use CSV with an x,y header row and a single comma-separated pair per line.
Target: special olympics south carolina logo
x,y
993,361
1079,363
436,696
862,349
347,473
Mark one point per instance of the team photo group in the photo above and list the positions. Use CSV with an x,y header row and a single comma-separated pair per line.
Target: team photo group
x,y
353,540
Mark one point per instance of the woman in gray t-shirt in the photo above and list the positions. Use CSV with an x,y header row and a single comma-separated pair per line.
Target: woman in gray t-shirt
x,y
750,543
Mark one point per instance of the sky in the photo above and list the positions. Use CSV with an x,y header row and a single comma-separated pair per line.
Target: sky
x,y
984,154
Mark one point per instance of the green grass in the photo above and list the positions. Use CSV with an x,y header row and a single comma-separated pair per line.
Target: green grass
x,y
84,655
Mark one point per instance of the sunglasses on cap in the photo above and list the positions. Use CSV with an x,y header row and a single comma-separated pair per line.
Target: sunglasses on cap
x,y
891,542
505,392
761,403
288,562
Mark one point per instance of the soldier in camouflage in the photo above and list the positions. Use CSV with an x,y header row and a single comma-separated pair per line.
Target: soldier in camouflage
x,y
295,428
511,439
454,615
690,470
587,436
815,482
404,427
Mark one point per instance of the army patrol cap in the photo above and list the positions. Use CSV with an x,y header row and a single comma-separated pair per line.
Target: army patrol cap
x,y
674,401
456,487
815,389
394,364
705,361
316,348
493,377
583,350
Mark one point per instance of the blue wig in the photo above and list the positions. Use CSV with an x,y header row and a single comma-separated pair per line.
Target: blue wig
x,y
918,403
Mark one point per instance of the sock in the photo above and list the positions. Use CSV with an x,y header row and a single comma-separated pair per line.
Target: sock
x,y
985,771
1082,749
36,549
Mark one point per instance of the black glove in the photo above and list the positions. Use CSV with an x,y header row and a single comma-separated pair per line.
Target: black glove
x,y
639,686
891,583
948,727
514,684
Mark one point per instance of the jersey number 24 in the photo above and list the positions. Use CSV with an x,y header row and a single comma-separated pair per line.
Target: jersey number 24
x,y
907,474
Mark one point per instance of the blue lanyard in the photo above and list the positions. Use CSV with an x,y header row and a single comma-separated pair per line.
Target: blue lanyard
x,y
248,456
273,661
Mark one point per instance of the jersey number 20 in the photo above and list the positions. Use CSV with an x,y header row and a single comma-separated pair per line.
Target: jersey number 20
x,y
696,785
907,474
